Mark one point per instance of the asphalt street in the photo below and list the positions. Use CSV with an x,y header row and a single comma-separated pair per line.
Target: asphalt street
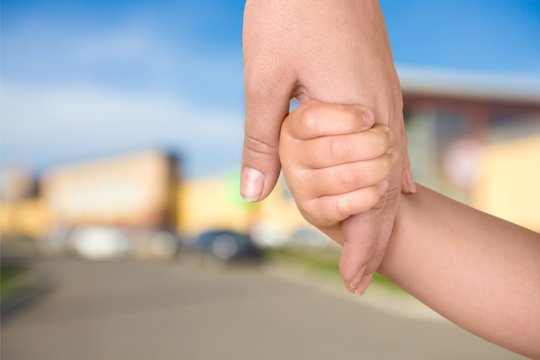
x,y
129,310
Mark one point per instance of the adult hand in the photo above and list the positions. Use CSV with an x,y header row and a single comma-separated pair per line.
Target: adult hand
x,y
333,51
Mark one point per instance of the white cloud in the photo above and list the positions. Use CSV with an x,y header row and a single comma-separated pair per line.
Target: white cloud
x,y
48,124
72,92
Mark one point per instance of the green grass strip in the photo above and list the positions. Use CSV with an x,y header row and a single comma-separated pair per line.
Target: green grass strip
x,y
320,261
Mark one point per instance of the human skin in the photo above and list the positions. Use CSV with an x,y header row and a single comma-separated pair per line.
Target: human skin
x,y
336,165
333,51
478,271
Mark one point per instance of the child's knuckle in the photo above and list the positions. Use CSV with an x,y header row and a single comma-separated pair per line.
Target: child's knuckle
x,y
304,208
342,208
386,165
383,165
311,119
347,178
351,114
381,144
316,213
371,197
370,177
337,150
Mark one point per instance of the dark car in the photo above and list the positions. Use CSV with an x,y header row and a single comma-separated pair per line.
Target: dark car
x,y
227,246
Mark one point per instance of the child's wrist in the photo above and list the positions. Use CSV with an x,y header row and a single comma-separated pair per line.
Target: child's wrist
x,y
402,222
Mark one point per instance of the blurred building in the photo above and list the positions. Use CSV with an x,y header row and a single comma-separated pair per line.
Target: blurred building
x,y
101,208
132,190
476,138
21,210
16,183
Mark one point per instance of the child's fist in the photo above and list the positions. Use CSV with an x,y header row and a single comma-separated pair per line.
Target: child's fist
x,y
334,161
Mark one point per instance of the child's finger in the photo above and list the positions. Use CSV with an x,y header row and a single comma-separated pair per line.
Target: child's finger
x,y
335,208
345,178
329,151
314,119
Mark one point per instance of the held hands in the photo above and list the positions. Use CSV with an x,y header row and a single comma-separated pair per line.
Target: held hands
x,y
336,165
333,52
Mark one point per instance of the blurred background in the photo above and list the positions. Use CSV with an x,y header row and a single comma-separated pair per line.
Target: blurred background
x,y
123,233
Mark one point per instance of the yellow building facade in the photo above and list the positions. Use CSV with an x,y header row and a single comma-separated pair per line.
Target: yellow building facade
x,y
214,203
509,186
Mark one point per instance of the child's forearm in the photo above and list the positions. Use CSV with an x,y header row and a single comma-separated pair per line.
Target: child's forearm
x,y
481,272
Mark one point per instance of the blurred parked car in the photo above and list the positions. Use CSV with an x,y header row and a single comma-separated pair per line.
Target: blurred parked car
x,y
226,246
98,243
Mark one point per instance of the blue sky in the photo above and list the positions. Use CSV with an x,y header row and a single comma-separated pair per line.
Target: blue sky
x,y
82,79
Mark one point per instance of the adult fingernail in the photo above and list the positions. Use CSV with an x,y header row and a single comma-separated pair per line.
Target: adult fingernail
x,y
364,284
368,119
251,184
383,186
357,278
354,283
412,184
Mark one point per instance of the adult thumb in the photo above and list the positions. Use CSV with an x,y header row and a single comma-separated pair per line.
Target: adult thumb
x,y
361,232
265,111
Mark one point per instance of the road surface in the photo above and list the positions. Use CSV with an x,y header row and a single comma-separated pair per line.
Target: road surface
x,y
129,310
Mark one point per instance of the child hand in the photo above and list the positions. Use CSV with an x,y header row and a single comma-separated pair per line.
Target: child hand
x,y
334,162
